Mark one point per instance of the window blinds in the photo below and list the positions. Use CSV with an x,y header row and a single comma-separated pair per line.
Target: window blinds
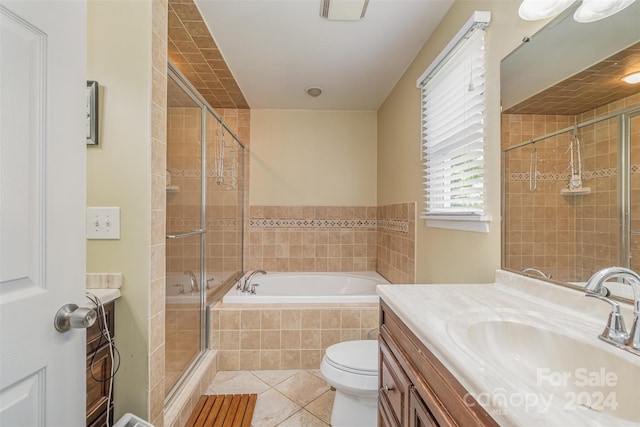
x,y
453,105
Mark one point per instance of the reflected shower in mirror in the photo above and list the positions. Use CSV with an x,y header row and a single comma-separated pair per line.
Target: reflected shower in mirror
x,y
571,155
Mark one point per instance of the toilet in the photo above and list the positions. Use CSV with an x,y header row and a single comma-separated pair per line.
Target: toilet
x,y
351,367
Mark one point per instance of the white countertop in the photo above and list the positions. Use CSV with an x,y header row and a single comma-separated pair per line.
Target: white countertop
x,y
435,312
105,295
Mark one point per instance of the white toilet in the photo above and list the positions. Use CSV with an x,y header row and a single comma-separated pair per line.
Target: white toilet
x,y
351,367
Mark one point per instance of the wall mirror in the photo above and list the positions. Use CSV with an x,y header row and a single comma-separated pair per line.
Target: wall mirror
x,y
571,150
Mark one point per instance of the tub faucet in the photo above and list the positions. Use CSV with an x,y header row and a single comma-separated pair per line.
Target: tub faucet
x,y
535,270
615,332
247,281
192,281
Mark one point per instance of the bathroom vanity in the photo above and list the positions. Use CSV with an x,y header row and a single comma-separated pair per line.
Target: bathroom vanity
x,y
98,391
98,353
518,352
415,388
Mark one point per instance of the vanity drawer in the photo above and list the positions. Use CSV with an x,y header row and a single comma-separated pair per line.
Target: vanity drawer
x,y
394,384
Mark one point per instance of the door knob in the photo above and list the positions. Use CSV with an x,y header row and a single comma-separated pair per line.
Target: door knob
x,y
70,316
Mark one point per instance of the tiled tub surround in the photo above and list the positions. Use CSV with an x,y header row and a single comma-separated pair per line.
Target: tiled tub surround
x,y
334,238
311,238
285,336
396,255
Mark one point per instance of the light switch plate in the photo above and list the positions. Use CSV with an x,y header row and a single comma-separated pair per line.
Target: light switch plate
x,y
103,223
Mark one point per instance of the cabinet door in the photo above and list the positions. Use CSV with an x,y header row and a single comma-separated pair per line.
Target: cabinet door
x,y
384,415
419,415
394,385
98,381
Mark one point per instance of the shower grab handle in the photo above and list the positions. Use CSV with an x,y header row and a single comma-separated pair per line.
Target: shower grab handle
x,y
183,235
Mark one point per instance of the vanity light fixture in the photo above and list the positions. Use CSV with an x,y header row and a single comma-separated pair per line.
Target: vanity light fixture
x,y
589,10
343,10
314,91
632,79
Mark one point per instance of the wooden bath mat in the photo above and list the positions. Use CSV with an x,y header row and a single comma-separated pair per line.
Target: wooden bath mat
x,y
223,410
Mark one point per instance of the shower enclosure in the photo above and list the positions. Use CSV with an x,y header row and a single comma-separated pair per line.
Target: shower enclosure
x,y
572,196
204,222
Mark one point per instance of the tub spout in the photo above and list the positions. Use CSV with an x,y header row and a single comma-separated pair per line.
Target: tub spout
x,y
247,281
192,281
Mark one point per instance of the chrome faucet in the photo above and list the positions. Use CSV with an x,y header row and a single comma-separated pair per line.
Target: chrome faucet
x,y
247,281
535,270
615,332
192,281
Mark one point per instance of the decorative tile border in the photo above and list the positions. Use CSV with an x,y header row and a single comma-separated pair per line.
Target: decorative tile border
x,y
194,223
564,176
311,223
401,226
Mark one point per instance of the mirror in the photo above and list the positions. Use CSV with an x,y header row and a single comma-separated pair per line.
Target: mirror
x,y
571,150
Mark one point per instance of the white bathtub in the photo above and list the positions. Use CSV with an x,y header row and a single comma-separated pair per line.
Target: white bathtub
x,y
274,288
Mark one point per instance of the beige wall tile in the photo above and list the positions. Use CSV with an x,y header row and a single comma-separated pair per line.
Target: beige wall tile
x,y
270,340
310,359
250,340
331,318
229,340
291,319
270,319
350,318
290,339
269,359
250,319
310,339
229,319
290,359
249,360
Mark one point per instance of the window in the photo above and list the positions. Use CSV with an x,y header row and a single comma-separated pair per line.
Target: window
x,y
453,106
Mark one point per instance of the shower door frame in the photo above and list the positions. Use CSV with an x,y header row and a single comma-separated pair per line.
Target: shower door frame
x,y
174,74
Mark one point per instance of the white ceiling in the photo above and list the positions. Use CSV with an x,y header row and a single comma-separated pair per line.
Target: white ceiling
x,y
277,48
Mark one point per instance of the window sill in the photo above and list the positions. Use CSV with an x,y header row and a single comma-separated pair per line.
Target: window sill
x,y
478,224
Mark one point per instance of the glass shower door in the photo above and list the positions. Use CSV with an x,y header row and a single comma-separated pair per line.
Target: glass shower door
x,y
184,263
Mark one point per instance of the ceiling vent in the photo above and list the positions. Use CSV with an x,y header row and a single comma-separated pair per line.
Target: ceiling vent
x,y
343,10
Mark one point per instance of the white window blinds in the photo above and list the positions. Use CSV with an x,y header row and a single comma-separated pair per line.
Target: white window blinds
x,y
453,107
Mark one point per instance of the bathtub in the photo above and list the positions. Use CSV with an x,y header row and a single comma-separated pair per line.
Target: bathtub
x,y
320,287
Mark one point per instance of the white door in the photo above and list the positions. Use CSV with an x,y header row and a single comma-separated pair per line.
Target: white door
x,y
42,208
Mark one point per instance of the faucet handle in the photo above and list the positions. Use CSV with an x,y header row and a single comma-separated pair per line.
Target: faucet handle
x,y
615,332
633,342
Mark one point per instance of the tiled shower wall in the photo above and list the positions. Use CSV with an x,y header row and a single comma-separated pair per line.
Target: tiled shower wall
x,y
569,237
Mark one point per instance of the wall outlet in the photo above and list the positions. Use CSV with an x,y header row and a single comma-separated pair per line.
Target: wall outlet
x,y
103,223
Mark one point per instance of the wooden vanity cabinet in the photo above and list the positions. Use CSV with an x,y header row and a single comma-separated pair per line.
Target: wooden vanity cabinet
x,y
98,391
416,390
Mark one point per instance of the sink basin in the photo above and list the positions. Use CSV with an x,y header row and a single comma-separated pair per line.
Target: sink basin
x,y
576,371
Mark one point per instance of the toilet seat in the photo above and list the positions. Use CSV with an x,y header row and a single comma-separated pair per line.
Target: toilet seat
x,y
356,357
351,367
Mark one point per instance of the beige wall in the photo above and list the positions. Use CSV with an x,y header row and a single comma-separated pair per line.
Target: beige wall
x,y
313,158
446,256
118,174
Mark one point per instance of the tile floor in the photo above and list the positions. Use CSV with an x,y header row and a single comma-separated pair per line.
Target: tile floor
x,y
292,398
